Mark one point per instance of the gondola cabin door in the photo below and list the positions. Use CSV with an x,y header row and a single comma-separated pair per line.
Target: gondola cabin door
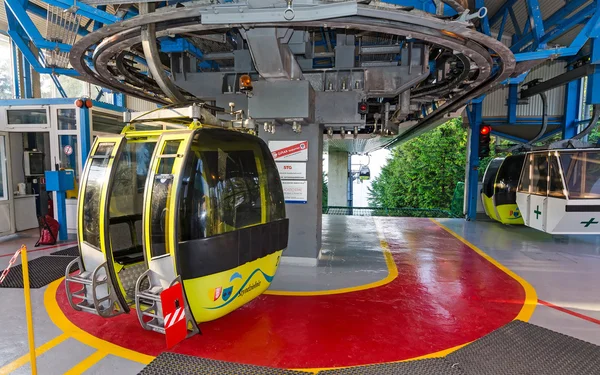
x,y
93,215
162,187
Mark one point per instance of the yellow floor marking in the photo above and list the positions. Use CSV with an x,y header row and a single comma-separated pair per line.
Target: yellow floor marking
x,y
87,363
531,298
389,261
38,351
61,321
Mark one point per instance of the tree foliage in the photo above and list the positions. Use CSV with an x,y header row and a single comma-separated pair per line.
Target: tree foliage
x,y
423,172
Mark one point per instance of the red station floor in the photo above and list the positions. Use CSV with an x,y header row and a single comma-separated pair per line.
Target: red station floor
x,y
446,294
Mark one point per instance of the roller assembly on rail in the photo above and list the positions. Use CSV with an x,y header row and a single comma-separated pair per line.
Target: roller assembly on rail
x,y
371,74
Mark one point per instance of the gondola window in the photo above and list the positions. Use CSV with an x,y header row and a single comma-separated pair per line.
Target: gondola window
x,y
556,185
161,188
235,189
582,173
93,189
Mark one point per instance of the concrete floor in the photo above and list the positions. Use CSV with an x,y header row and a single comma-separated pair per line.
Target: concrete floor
x,y
563,270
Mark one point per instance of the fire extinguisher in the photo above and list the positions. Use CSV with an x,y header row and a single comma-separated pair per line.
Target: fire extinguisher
x,y
50,207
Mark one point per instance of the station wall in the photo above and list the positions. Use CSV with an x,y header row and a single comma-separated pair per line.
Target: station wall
x,y
494,104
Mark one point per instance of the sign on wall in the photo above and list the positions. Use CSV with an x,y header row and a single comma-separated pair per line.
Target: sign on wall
x,y
289,150
295,191
291,170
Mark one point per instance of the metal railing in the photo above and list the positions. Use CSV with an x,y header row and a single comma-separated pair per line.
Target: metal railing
x,y
382,211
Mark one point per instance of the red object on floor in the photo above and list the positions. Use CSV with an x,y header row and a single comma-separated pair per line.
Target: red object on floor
x,y
174,315
570,312
445,295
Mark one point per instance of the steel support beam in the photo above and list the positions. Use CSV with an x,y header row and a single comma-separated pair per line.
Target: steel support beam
x,y
593,83
15,57
472,196
572,106
27,82
513,99
558,81
536,21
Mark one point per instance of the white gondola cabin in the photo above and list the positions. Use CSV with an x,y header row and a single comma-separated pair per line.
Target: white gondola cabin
x,y
559,191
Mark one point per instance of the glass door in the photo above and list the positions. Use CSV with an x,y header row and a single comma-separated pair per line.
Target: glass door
x,y
160,203
6,202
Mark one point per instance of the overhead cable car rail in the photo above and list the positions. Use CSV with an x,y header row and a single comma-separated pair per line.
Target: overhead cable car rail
x,y
482,62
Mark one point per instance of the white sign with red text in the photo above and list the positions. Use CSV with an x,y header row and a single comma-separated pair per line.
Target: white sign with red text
x,y
295,191
291,171
289,150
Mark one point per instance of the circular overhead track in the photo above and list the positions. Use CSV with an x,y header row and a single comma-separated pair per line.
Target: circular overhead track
x,y
482,62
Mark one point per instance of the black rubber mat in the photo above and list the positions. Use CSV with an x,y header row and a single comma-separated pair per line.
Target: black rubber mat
x,y
179,364
518,348
71,252
523,348
433,366
42,271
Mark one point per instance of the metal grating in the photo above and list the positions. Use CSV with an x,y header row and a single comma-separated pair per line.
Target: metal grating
x,y
179,364
42,271
61,27
71,252
382,211
523,348
434,366
515,349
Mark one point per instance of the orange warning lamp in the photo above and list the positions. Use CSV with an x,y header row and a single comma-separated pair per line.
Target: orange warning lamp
x,y
81,103
245,83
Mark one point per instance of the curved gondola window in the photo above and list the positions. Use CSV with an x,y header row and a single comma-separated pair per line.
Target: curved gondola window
x,y
275,199
126,198
93,189
193,200
161,188
490,177
235,190
539,176
556,185
507,180
582,174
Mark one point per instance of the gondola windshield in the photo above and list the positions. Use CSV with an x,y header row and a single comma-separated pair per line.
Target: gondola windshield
x,y
582,173
93,189
505,189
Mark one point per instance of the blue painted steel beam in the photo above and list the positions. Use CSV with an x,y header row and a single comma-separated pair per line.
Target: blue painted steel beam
x,y
98,24
502,25
85,134
15,52
593,82
27,81
42,12
485,22
515,23
506,6
31,58
86,10
509,137
169,45
475,121
591,29
58,85
572,105
557,29
28,27
536,21
513,99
